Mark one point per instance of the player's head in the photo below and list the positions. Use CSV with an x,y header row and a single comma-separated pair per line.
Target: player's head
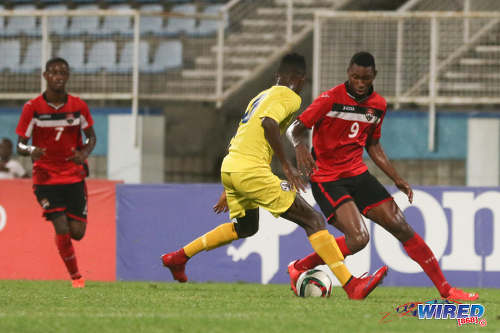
x,y
56,74
5,149
361,72
292,72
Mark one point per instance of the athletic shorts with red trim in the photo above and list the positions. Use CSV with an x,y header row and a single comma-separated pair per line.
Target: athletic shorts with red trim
x,y
365,190
60,199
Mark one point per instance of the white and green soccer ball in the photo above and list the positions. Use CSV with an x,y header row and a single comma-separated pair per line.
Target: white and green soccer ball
x,y
314,283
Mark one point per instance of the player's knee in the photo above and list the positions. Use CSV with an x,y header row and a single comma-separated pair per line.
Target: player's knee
x,y
317,222
359,241
77,235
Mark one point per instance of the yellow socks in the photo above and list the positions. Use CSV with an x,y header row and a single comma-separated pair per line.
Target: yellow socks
x,y
221,235
326,247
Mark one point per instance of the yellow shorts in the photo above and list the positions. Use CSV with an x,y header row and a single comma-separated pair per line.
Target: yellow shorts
x,y
250,190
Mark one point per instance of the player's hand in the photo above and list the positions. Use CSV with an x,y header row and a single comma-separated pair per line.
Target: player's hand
x,y
37,153
78,156
404,187
294,177
221,205
305,161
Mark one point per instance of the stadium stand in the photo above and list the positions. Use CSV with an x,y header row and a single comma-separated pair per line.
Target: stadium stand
x,y
84,24
32,58
117,24
102,56
10,55
168,56
176,25
74,50
151,24
57,24
124,64
17,25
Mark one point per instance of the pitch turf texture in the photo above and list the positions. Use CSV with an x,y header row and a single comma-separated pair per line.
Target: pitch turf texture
x,y
53,306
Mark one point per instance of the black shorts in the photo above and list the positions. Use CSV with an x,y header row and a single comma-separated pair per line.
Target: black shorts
x,y
69,199
365,190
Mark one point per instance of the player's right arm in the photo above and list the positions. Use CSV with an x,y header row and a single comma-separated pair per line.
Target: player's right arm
x,y
272,134
24,130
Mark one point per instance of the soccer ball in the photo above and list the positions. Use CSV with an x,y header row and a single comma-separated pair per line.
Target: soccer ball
x,y
314,283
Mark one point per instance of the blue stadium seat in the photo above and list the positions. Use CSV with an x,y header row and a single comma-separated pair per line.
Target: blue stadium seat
x,y
22,24
177,25
208,27
32,58
151,24
74,53
10,55
168,55
57,24
125,61
117,24
84,24
102,56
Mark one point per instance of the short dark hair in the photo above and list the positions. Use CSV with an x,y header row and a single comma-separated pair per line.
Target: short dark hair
x,y
364,59
54,61
292,63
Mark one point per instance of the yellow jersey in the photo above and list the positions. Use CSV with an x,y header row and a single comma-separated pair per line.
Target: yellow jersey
x,y
249,149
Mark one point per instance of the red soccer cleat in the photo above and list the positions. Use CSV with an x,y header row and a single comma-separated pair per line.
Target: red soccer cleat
x,y
78,283
359,288
176,262
294,275
459,294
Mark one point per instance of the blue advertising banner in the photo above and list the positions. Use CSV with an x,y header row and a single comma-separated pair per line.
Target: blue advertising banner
x,y
460,225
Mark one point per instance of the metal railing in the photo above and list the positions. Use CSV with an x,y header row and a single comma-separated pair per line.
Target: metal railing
x,y
421,56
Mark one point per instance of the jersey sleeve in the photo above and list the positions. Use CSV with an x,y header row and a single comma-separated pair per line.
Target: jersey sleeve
x,y
86,117
377,133
26,121
281,108
318,108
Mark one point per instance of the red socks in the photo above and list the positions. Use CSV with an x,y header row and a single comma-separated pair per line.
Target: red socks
x,y
314,259
418,250
67,253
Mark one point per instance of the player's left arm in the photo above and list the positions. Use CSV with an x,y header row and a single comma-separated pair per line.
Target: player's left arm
x,y
79,156
378,156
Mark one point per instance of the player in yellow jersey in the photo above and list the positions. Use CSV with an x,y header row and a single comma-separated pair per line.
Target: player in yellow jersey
x,y
249,183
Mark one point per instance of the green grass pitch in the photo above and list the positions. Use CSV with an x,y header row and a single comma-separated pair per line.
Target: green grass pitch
x,y
53,306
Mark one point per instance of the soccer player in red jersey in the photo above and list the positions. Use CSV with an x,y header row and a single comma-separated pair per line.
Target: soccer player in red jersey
x,y
347,118
54,121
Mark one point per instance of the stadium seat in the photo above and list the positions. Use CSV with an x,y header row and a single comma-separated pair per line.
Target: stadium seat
x,y
73,52
177,25
125,60
10,55
168,55
102,56
208,27
117,24
32,58
151,24
17,25
57,24
84,24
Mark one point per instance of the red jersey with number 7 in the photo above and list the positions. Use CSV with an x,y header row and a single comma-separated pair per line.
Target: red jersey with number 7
x,y
342,127
59,131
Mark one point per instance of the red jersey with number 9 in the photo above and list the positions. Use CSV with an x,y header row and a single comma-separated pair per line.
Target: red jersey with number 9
x,y
59,131
342,127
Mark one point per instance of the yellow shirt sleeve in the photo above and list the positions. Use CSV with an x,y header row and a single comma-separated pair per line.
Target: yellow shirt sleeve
x,y
283,105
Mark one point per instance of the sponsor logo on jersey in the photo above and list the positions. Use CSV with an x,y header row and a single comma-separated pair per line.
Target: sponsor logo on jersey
x,y
285,186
